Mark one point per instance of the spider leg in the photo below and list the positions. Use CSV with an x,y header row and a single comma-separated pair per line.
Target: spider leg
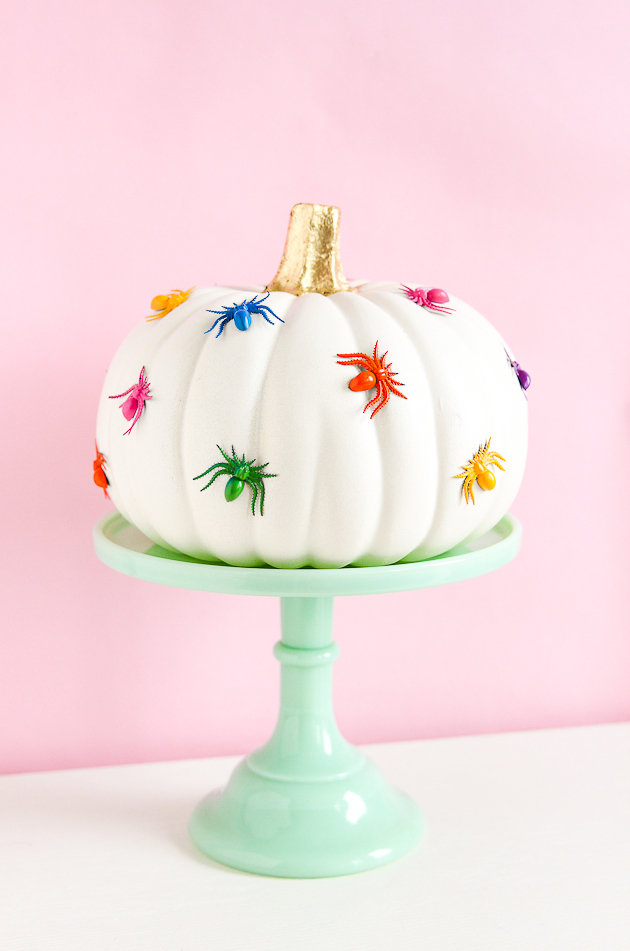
x,y
261,307
225,321
348,356
352,363
215,476
214,324
375,399
386,395
135,419
254,488
257,311
372,367
394,390
118,395
224,454
465,487
215,466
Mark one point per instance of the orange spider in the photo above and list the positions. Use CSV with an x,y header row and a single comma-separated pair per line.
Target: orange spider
x,y
477,469
376,373
99,471
165,303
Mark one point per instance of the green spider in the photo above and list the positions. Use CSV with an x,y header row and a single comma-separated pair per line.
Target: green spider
x,y
240,472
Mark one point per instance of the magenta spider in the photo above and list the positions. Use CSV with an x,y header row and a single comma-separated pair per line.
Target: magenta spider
x,y
432,297
133,406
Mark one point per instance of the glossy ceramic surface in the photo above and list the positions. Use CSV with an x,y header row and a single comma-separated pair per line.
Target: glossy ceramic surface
x,y
123,547
308,804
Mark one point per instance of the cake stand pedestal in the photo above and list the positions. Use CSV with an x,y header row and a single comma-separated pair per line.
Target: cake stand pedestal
x,y
308,804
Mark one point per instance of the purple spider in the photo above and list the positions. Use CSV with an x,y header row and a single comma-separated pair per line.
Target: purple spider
x,y
241,314
432,297
133,406
522,375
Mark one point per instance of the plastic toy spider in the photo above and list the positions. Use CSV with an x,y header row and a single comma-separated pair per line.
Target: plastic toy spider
x,y
376,373
240,472
434,298
165,303
241,314
99,471
133,406
477,469
523,376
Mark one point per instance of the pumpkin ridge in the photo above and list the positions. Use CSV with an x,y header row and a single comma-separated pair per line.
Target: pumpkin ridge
x,y
432,374
304,560
168,333
179,329
383,516
157,338
484,355
188,488
206,297
388,302
255,431
340,304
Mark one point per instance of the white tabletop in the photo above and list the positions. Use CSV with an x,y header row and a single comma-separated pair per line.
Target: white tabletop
x,y
527,846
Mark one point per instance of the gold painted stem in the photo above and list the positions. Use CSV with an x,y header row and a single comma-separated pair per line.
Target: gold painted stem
x,y
311,263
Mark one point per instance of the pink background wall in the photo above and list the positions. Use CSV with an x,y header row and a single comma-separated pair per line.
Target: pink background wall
x,y
482,145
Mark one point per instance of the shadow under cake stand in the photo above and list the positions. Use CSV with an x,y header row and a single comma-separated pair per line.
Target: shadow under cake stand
x,y
308,804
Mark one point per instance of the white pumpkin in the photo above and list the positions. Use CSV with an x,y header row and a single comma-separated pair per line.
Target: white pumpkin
x,y
350,489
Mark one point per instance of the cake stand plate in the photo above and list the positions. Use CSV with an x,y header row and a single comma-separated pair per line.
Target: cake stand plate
x,y
308,804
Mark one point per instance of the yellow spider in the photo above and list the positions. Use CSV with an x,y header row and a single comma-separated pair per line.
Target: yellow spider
x,y
477,469
165,303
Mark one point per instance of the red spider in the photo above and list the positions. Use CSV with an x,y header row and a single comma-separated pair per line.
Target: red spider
x,y
376,373
99,471
432,297
133,406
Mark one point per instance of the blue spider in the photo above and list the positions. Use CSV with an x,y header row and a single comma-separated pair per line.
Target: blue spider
x,y
241,314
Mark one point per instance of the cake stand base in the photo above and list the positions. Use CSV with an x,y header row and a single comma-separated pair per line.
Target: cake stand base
x,y
308,804
306,830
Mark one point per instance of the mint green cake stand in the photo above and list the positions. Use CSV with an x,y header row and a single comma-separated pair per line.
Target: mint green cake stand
x,y
307,804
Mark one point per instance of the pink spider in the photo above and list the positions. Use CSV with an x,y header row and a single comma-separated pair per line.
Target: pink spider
x,y
133,406
434,298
